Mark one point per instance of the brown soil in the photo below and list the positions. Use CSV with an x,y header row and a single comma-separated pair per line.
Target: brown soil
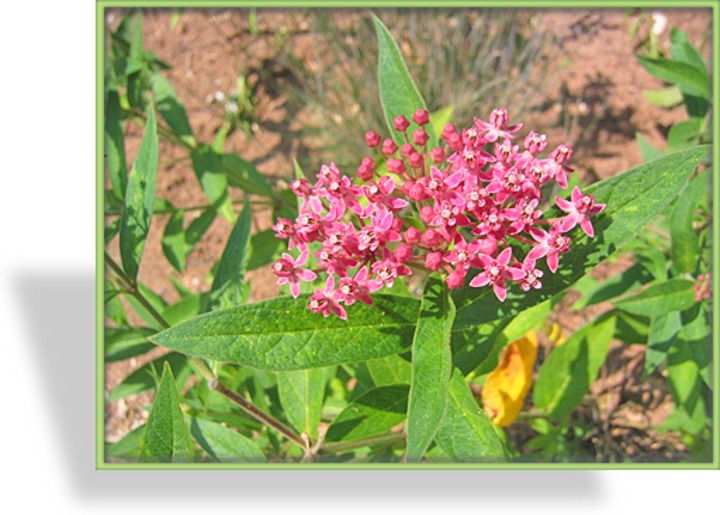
x,y
592,98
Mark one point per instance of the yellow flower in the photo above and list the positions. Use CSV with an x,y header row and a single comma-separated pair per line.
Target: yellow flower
x,y
503,394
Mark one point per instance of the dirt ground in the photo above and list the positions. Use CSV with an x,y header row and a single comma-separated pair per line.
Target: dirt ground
x,y
592,99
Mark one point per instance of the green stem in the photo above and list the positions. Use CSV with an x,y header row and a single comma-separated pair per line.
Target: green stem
x,y
257,413
130,287
383,439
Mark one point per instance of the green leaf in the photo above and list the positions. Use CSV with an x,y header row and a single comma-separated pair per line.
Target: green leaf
x,y
683,375
466,433
664,97
126,342
282,334
157,302
302,393
135,57
214,182
266,248
139,198
660,299
431,367
684,134
228,286
115,145
373,413
614,286
696,333
647,149
571,368
685,244
682,50
128,448
633,198
663,330
187,307
166,437
691,80
472,346
389,370
179,242
440,118
171,109
224,444
243,174
143,379
398,93
173,241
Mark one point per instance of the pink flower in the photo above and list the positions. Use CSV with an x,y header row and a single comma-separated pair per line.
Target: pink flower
x,y
368,229
289,271
322,301
551,245
578,210
496,272
357,288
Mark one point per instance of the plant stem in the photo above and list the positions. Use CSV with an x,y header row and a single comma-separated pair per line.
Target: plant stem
x,y
257,413
130,287
383,439
201,207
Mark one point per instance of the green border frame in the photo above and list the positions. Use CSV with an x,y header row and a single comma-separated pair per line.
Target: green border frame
x,y
100,463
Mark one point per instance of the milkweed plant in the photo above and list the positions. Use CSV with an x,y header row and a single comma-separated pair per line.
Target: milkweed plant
x,y
415,279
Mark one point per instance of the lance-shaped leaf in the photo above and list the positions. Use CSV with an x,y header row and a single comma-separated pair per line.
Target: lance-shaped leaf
x,y
228,286
139,199
633,198
660,299
375,412
663,330
691,80
144,378
214,182
223,444
178,242
171,109
431,367
398,93
115,145
282,334
466,433
570,369
166,436
126,342
302,393
684,249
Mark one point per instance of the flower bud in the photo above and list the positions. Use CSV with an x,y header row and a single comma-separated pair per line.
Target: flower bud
x,y
448,130
415,160
370,163
437,155
372,139
455,279
421,117
431,238
364,172
434,261
420,137
401,123
455,142
396,166
412,235
389,147
403,253
406,150
427,214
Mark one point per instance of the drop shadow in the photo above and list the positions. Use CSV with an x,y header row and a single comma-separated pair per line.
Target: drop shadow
x,y
63,347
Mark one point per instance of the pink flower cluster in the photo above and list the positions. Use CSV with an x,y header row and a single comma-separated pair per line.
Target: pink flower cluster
x,y
450,209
